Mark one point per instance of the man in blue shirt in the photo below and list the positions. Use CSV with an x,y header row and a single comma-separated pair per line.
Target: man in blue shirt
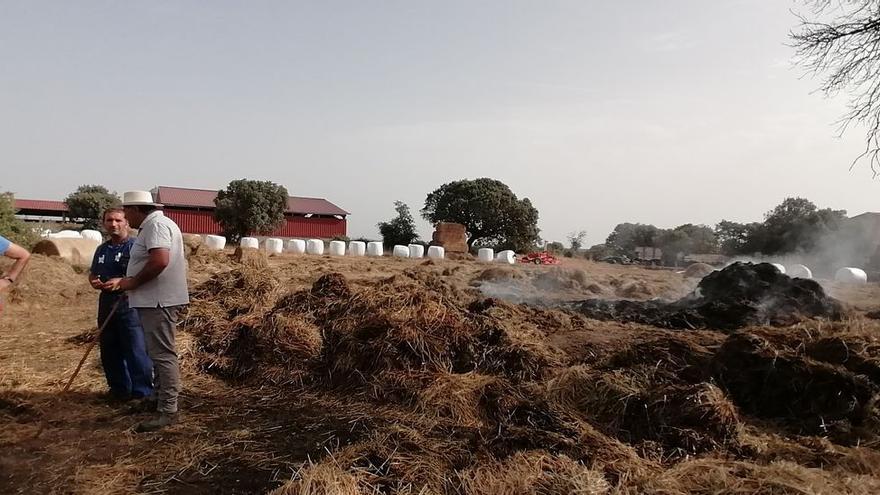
x,y
20,255
127,367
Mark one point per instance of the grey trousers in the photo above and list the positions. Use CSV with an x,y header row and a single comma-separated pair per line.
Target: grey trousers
x,y
160,326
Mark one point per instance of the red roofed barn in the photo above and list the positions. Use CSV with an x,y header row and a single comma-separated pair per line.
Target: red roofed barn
x,y
193,211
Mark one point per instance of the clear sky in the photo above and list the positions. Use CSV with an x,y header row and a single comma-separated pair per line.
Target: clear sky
x,y
662,112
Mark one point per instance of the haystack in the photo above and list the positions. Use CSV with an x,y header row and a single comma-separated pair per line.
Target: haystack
x,y
251,257
47,278
698,270
533,473
75,251
769,380
240,335
325,478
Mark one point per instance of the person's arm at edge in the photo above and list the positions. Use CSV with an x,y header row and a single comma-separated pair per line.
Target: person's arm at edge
x,y
21,257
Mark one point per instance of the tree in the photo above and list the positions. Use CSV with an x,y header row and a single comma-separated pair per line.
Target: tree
x,y
489,210
626,237
797,224
250,206
554,247
845,46
12,228
686,239
576,240
736,238
87,204
400,230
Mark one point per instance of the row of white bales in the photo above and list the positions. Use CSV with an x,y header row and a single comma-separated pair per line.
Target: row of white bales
x,y
354,248
848,275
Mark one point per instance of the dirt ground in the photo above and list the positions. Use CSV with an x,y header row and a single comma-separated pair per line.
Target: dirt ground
x,y
255,434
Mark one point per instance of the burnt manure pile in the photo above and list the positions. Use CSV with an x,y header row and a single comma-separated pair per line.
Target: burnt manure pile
x,y
457,394
740,295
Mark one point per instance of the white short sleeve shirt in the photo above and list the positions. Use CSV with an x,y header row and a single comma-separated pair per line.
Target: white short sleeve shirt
x,y
170,287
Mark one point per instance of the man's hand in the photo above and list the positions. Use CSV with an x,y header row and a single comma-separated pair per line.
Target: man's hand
x,y
120,284
96,283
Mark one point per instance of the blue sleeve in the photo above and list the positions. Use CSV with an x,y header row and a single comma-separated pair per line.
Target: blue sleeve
x,y
4,245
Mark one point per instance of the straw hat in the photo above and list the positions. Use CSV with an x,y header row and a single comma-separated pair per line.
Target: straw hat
x,y
138,198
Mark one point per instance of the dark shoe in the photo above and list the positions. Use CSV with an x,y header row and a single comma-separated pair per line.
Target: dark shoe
x,y
157,423
146,405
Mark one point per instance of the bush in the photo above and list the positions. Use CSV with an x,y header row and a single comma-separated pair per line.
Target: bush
x,y
14,229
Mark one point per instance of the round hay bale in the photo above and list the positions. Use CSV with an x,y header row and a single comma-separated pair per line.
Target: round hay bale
x,y
698,270
76,251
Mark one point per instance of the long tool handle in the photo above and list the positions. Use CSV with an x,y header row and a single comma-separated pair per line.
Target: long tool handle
x,y
92,344
85,356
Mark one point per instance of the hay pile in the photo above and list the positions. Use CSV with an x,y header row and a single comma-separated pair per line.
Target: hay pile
x,y
47,279
464,395
740,295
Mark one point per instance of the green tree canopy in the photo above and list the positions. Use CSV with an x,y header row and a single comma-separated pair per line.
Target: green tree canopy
x,y
400,230
14,229
250,207
626,237
489,210
795,225
87,204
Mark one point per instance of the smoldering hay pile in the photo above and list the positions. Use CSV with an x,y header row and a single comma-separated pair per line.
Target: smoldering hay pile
x,y
466,395
740,295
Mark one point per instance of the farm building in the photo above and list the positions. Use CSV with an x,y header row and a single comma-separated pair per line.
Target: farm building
x,y
193,211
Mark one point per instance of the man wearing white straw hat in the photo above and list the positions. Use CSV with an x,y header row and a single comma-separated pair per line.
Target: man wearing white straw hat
x,y
157,288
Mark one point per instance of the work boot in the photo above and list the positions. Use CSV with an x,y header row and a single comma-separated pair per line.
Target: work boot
x,y
157,423
145,405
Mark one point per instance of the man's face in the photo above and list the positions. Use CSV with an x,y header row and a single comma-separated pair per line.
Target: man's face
x,y
134,216
115,224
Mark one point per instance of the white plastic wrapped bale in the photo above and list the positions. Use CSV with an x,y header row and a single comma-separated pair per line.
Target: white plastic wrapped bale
x,y
274,246
93,235
315,246
401,251
215,242
486,255
849,275
436,252
337,248
507,257
66,234
296,246
799,271
779,267
416,251
357,248
249,242
375,248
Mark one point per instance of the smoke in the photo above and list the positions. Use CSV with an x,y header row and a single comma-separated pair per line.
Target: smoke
x,y
856,244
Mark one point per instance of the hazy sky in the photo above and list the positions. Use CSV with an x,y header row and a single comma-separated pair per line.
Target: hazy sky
x,y
601,112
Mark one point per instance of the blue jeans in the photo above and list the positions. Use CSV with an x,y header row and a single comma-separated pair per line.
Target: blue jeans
x,y
128,369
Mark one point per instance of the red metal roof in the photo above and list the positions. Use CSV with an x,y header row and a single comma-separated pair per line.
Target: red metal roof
x,y
39,204
204,198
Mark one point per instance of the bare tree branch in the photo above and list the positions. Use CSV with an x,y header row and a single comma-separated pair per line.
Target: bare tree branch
x,y
844,48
